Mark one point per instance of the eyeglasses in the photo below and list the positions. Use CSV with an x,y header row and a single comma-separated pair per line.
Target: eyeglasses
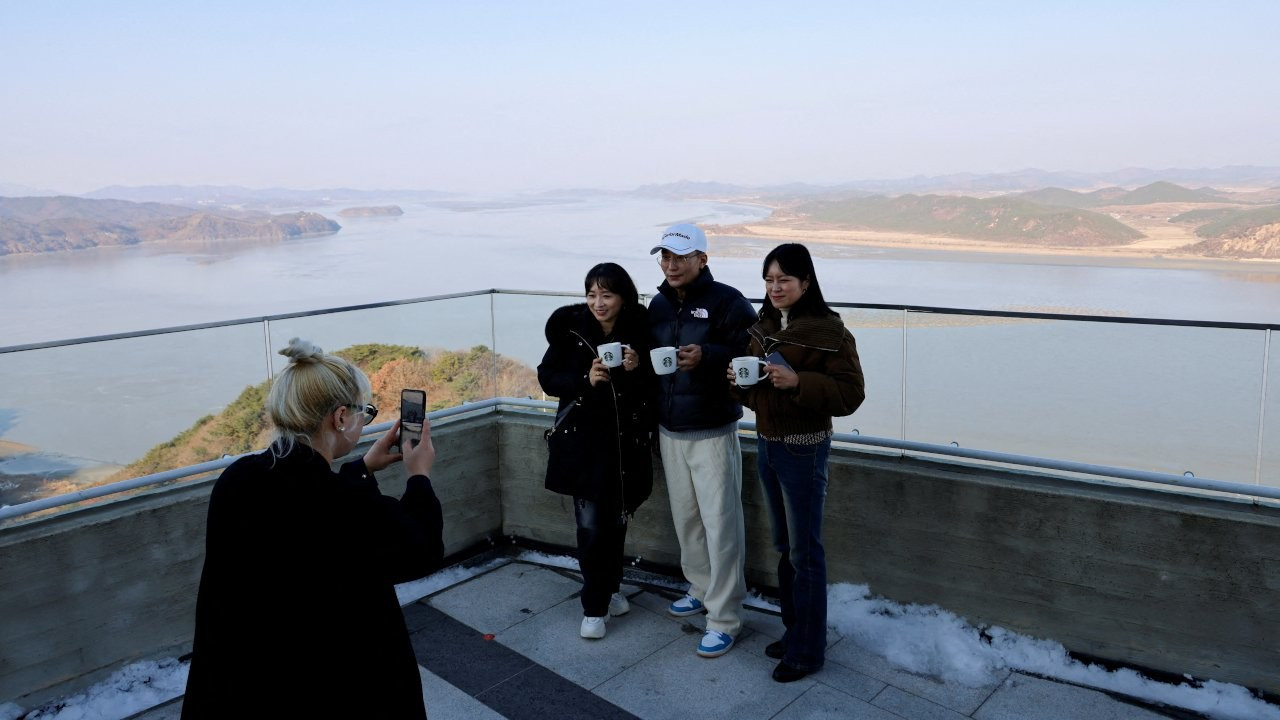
x,y
368,412
667,258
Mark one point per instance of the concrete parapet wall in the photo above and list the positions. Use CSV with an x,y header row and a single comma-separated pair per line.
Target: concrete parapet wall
x,y
1177,583
1172,582
1163,580
535,513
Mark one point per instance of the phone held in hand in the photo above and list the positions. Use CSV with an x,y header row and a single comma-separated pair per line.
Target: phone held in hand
x,y
775,358
413,411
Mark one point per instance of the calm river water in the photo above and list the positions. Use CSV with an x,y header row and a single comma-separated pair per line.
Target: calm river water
x,y
83,407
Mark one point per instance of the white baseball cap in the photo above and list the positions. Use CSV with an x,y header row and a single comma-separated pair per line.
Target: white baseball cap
x,y
682,239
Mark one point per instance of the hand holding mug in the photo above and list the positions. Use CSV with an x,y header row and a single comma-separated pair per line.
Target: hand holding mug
x,y
688,357
599,372
630,358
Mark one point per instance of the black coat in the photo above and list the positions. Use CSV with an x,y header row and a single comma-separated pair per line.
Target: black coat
x,y
601,451
297,614
715,316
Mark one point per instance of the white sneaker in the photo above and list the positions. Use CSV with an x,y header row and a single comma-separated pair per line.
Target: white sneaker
x,y
618,605
593,627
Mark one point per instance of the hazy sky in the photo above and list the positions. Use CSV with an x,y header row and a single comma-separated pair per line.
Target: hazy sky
x,y
532,95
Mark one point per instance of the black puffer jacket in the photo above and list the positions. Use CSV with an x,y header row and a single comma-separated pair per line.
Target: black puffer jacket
x,y
715,316
604,453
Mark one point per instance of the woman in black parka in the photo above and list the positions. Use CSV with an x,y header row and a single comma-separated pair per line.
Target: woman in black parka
x,y
600,450
297,614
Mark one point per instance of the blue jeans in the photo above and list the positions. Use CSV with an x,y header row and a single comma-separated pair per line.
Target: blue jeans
x,y
795,487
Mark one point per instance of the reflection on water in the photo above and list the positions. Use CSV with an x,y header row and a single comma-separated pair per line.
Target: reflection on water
x,y
1255,277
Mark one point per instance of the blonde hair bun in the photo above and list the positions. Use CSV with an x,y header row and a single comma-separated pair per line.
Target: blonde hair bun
x,y
301,351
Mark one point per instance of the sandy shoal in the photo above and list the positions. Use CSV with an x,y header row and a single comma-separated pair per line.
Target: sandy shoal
x,y
1161,247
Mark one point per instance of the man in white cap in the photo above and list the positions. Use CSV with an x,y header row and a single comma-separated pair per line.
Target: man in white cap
x,y
707,322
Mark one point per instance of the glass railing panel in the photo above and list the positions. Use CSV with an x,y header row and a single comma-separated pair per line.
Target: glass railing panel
x,y
83,415
878,335
441,346
520,322
1163,398
1269,463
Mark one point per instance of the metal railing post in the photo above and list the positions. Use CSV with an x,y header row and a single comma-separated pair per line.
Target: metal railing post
x,y
1262,404
266,346
493,339
902,400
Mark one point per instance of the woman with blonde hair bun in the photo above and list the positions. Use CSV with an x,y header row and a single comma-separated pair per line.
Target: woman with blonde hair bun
x,y
297,614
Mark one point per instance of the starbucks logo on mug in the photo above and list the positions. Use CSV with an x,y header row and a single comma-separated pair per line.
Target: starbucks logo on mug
x,y
666,362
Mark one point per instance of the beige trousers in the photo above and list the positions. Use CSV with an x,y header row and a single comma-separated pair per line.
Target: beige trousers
x,y
704,483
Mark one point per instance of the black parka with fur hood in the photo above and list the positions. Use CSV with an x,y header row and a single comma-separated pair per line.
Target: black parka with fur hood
x,y
601,451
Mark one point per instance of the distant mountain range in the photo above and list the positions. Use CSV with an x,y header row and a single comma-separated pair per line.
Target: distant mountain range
x,y
50,224
1236,176
236,196
1156,192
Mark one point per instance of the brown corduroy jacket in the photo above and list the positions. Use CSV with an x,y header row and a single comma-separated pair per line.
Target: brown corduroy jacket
x,y
825,357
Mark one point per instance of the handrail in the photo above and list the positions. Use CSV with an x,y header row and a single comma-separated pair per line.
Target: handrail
x,y
550,293
492,404
263,319
26,508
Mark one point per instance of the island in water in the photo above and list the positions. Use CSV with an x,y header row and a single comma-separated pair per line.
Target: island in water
x,y
52,224
372,211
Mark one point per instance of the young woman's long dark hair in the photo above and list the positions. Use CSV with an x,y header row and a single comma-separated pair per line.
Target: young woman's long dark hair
x,y
612,277
794,260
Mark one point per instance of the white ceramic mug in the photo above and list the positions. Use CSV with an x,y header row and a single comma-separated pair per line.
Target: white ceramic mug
x,y
610,354
663,359
746,370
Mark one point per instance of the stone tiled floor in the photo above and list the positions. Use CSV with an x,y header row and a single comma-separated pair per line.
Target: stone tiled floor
x,y
646,666
505,644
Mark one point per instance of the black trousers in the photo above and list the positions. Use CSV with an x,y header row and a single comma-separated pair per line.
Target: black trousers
x,y
602,533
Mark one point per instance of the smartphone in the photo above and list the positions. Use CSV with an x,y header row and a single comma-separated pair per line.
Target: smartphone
x,y
775,358
413,411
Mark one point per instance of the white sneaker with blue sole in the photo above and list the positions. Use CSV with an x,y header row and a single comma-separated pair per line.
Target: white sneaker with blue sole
x,y
686,606
714,644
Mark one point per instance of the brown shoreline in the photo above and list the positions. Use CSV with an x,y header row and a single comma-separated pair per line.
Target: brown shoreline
x,y
1148,252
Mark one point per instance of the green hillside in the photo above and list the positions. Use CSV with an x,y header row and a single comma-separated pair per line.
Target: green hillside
x,y
1162,192
999,219
1059,197
1204,215
450,378
1240,222
1157,192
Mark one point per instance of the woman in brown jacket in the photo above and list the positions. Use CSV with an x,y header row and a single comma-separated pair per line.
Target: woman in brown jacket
x,y
812,374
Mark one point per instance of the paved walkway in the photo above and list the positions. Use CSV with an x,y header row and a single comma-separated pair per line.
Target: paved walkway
x,y
505,644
